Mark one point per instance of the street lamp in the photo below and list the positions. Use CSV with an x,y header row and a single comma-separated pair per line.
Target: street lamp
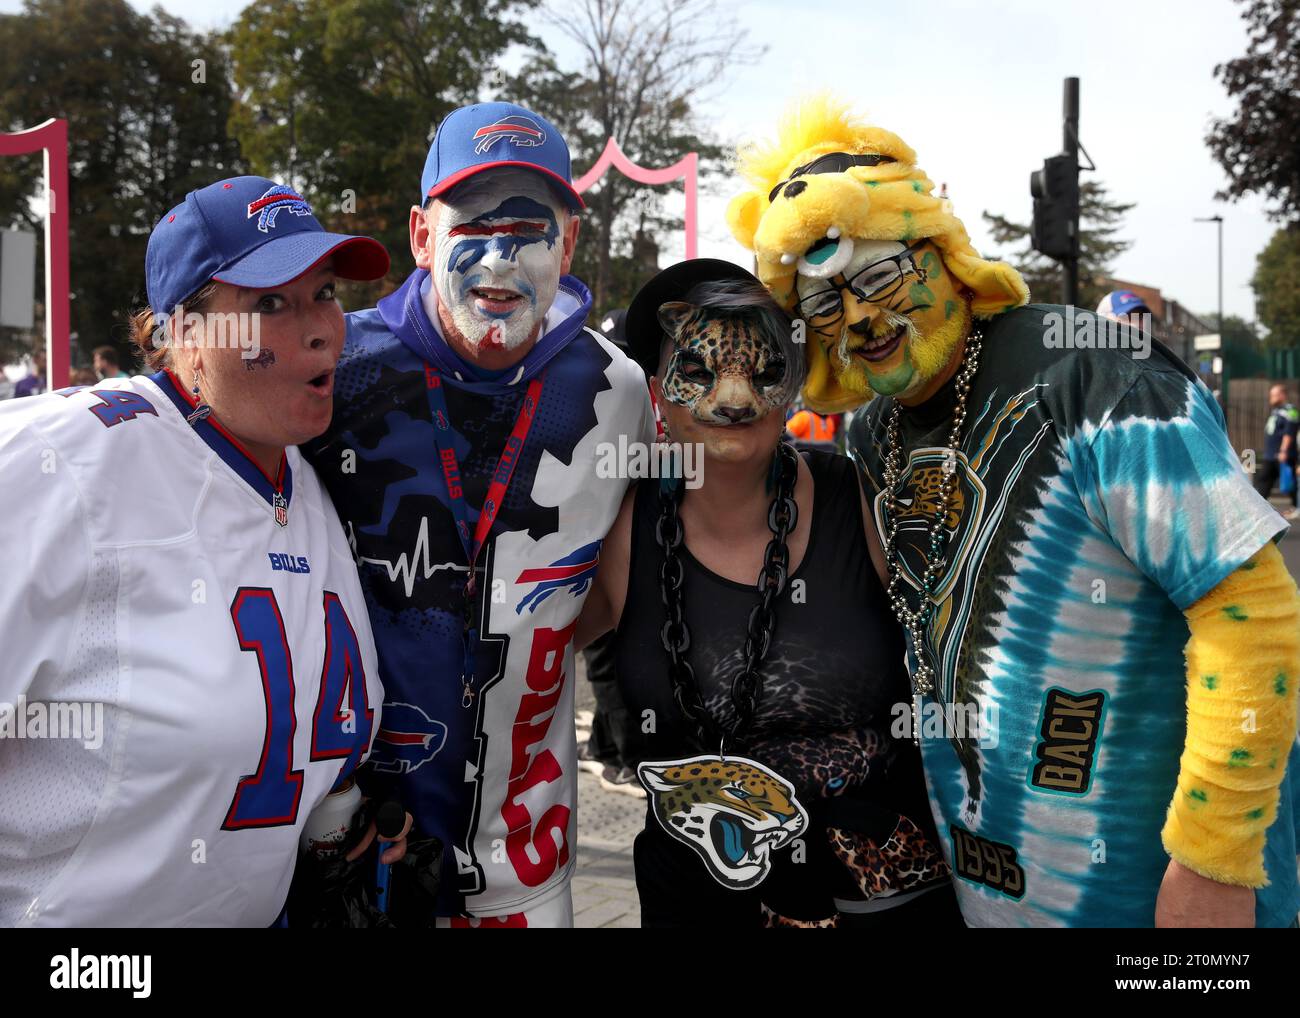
x,y
1219,220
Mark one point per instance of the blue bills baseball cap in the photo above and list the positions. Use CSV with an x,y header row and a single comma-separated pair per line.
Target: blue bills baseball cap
x,y
1122,302
247,231
479,137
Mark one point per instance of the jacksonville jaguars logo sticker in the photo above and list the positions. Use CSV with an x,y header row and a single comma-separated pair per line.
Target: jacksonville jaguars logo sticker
x,y
732,812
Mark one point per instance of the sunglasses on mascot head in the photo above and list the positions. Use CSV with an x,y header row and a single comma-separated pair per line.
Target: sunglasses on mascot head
x,y
875,282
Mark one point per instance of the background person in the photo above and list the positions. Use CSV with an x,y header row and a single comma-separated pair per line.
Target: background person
x,y
1279,446
1127,308
107,363
811,430
34,382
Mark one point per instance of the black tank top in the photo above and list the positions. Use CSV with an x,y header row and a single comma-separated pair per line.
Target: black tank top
x,y
832,682
836,661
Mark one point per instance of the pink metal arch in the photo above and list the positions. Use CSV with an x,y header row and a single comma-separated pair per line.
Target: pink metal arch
x,y
51,138
686,169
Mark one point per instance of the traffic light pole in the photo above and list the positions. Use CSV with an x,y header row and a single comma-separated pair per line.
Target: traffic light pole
x,y
1054,230
1070,265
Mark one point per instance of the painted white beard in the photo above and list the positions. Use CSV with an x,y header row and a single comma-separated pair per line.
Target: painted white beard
x,y
506,333
527,264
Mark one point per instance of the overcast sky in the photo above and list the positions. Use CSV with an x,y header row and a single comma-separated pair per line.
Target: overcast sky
x,y
975,89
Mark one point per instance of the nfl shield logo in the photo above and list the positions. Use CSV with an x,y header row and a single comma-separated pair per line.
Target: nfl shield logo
x,y
281,510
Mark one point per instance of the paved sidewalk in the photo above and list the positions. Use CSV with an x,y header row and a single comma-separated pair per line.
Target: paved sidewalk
x,y
604,890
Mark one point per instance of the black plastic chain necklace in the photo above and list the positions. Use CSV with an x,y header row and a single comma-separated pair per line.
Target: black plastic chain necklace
x,y
747,684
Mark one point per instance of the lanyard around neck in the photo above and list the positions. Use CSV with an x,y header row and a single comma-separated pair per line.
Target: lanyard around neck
x,y
472,541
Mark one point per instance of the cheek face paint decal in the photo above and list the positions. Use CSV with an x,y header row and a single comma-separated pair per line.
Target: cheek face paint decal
x,y
263,360
497,257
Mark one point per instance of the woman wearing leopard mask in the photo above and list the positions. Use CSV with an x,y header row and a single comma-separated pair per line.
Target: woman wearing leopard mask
x,y
776,793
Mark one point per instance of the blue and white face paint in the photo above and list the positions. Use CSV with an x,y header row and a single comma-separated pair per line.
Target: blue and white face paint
x,y
498,248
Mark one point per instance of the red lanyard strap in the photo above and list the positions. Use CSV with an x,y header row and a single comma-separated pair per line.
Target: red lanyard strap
x,y
501,476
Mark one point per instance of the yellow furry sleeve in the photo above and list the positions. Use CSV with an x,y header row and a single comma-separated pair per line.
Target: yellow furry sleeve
x,y
1243,662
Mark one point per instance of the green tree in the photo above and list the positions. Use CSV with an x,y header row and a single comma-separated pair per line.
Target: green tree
x,y
1257,145
146,124
645,70
1100,220
343,97
1277,287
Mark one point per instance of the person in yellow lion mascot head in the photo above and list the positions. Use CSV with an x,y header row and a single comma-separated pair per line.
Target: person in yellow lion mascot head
x,y
1016,461
849,237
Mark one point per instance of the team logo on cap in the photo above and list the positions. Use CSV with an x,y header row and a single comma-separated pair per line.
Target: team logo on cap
x,y
278,199
522,131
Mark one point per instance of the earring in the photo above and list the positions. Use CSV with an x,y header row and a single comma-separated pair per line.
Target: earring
x,y
201,409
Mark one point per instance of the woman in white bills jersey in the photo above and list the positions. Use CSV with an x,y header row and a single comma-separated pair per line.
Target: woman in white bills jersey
x,y
188,663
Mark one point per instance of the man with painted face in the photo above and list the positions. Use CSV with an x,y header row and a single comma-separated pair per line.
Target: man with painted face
x,y
1072,546
470,408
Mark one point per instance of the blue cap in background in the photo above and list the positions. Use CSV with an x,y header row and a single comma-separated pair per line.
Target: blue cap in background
x,y
1122,302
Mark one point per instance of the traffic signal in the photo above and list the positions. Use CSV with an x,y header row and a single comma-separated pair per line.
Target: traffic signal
x,y
1055,229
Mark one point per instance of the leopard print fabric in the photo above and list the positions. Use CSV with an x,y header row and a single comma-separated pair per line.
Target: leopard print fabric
x,y
906,861
828,765
775,921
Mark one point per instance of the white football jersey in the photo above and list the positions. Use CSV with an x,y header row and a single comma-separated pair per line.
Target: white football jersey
x,y
189,665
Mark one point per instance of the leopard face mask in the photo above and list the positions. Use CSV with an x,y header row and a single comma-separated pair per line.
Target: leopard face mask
x,y
726,368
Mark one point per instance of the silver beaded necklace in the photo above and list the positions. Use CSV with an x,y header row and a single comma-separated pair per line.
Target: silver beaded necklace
x,y
923,678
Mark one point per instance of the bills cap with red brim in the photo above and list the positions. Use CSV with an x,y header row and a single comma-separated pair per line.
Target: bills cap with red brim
x,y
484,136
250,232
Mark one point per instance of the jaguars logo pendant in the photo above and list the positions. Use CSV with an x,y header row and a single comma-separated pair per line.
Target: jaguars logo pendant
x,y
731,811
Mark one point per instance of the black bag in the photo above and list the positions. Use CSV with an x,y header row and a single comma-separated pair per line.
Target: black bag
x,y
332,893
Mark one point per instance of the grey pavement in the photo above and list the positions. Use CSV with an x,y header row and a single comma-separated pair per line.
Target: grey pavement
x,y
604,890
1290,544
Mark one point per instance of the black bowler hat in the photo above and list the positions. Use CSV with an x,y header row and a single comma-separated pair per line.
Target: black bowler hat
x,y
645,335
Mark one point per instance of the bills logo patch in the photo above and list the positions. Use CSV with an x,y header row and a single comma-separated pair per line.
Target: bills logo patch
x,y
407,740
575,571
278,199
521,131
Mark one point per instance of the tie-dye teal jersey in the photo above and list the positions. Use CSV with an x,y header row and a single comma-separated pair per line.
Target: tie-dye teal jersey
x,y
1097,497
